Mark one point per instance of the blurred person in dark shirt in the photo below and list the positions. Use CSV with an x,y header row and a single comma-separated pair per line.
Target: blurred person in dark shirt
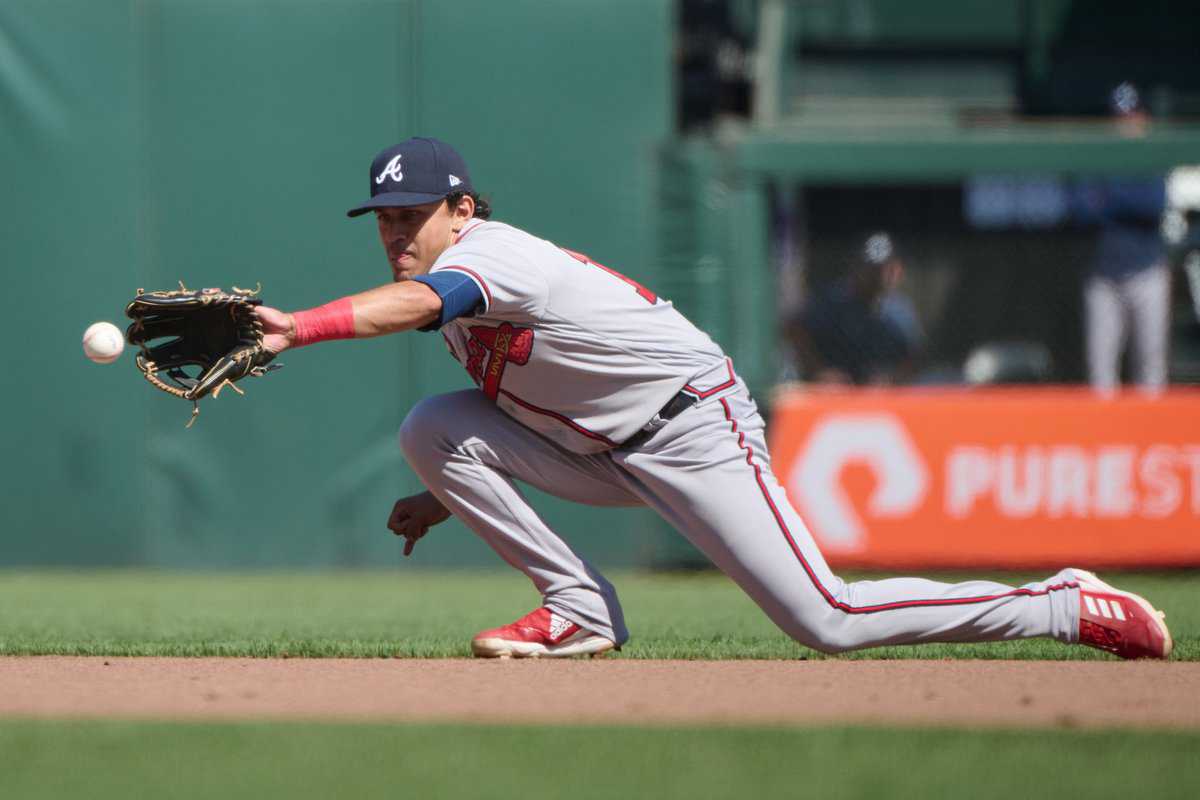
x,y
712,63
862,329
1128,286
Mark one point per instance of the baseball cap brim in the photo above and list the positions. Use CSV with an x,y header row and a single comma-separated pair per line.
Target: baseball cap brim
x,y
394,200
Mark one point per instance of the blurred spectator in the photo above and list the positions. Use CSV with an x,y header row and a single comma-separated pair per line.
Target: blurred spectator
x,y
712,63
861,330
1128,287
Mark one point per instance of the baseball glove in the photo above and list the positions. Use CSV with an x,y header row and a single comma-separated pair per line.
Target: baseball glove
x,y
214,331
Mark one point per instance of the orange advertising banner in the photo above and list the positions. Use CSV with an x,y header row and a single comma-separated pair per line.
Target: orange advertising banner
x,y
997,477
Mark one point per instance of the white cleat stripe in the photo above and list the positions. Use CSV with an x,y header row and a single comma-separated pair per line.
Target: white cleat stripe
x,y
1100,601
1118,611
1091,605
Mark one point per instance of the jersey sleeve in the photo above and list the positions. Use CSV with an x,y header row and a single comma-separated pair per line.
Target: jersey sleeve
x,y
461,296
511,285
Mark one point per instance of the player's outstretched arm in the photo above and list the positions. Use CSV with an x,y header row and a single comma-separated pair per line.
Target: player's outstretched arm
x,y
375,312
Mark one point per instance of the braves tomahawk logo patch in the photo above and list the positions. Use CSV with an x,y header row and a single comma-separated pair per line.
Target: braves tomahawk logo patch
x,y
489,350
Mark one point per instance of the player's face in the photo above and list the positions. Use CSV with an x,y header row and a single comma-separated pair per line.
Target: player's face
x,y
414,237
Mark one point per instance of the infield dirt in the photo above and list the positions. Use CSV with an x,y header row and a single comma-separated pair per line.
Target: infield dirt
x,y
613,691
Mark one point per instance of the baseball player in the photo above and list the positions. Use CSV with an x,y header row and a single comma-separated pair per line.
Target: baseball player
x,y
593,388
1127,292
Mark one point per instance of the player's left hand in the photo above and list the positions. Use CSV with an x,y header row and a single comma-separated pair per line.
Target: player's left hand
x,y
413,516
279,329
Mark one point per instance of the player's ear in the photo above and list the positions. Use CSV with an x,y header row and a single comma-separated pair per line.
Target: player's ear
x,y
464,208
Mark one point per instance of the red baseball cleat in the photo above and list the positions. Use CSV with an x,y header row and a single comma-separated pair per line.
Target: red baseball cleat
x,y
539,634
1121,623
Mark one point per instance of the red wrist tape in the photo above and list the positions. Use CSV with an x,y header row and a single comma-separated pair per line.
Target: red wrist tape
x,y
331,321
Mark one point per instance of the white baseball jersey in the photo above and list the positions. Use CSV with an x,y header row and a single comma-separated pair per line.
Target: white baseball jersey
x,y
586,357
570,348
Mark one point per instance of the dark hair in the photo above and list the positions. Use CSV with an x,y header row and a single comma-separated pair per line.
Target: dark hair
x,y
483,209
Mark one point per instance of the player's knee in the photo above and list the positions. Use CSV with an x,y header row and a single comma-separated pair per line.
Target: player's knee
x,y
830,645
821,632
437,423
419,431
828,642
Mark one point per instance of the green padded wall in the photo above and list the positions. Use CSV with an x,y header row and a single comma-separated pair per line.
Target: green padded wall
x,y
220,143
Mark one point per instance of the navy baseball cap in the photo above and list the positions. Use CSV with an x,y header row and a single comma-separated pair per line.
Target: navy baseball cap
x,y
412,173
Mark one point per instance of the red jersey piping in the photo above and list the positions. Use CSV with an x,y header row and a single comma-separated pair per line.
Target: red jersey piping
x,y
463,233
825,593
701,395
575,426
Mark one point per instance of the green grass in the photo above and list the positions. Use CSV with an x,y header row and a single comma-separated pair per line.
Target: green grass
x,y
433,615
99,760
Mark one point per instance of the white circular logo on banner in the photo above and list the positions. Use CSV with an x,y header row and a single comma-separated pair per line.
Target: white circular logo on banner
x,y
883,444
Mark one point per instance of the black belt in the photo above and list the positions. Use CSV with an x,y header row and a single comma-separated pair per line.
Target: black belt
x,y
674,407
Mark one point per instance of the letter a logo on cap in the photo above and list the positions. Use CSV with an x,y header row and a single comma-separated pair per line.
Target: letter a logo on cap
x,y
392,170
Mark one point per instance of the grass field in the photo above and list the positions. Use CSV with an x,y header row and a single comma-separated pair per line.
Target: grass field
x,y
433,615
426,614
101,760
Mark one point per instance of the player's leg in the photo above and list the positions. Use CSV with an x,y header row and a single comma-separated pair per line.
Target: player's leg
x,y
1104,333
1149,296
467,453
735,511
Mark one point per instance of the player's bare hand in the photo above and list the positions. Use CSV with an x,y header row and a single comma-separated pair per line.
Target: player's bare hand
x,y
413,516
279,329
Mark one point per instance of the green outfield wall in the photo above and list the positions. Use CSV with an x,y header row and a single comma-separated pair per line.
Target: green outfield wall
x,y
220,143
147,142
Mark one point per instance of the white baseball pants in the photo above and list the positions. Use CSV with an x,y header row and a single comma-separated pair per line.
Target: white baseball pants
x,y
1137,310
707,472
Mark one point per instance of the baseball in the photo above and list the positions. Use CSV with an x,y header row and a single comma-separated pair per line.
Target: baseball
x,y
103,342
